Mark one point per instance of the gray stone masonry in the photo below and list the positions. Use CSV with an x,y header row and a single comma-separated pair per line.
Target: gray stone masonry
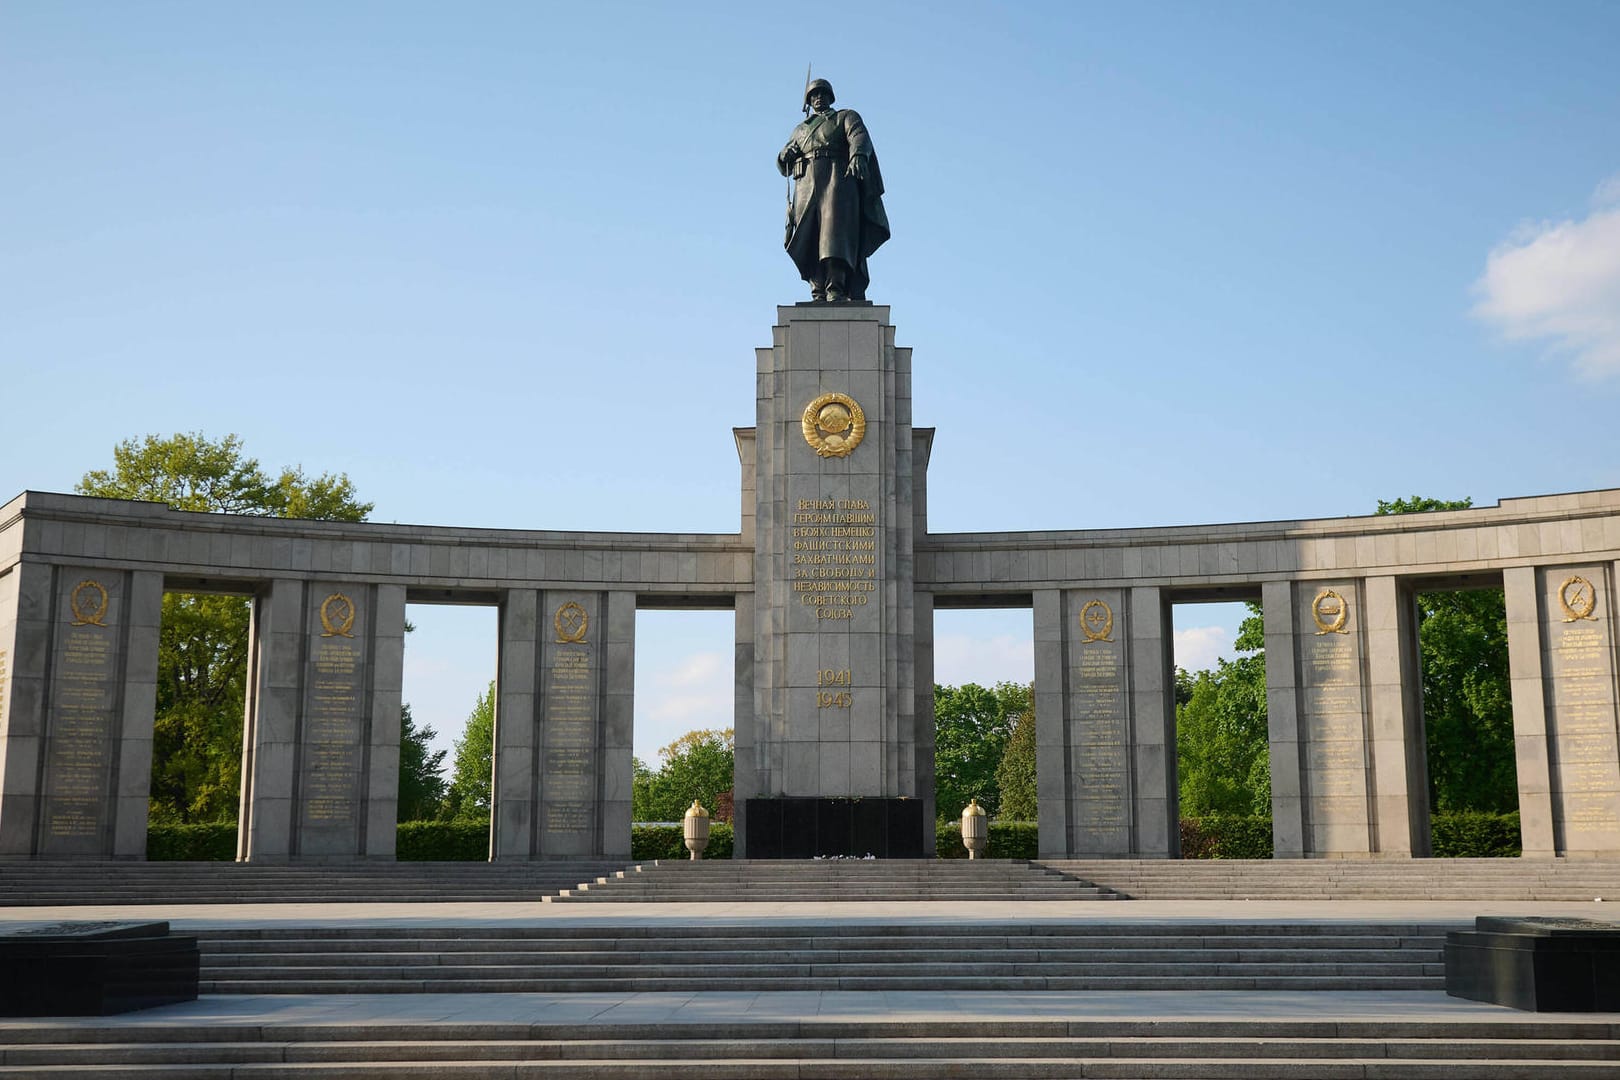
x,y
835,700
81,583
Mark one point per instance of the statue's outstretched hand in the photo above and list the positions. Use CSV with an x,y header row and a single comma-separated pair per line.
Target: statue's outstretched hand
x,y
857,167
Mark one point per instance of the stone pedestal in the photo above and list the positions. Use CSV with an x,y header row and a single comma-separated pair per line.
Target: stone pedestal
x,y
833,711
1536,964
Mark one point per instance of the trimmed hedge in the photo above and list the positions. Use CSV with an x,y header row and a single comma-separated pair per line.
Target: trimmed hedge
x,y
442,841
1007,840
1475,834
1220,836
668,842
215,842
1461,835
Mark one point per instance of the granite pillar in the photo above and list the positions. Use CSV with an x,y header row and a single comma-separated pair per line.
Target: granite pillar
x,y
321,732
78,679
1566,739
1105,724
563,720
833,714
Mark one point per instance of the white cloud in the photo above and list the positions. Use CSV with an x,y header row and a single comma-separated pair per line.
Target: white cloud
x,y
690,692
1198,647
1560,281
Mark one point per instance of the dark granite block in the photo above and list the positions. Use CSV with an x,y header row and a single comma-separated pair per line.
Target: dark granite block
x,y
1539,965
833,819
95,968
800,828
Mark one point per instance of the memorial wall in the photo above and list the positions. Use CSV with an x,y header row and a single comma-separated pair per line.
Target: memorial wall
x,y
834,578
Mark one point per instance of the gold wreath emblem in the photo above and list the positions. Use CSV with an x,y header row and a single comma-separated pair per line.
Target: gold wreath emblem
x,y
1578,599
1096,622
83,613
1330,612
571,623
337,616
834,425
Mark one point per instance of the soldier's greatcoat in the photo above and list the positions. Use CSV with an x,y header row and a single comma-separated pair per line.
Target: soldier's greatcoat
x,y
833,216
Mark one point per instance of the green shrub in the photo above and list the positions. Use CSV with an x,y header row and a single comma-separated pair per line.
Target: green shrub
x,y
214,842
1475,834
442,841
1226,836
1007,840
648,842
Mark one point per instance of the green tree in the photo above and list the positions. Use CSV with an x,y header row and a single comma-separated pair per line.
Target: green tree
x,y
971,727
472,769
698,765
202,643
421,783
1015,776
1467,699
1223,757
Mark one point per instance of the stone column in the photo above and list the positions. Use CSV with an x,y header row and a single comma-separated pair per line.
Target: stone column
x,y
1105,724
1320,723
25,647
1531,746
1282,720
835,692
563,717
76,699
745,771
1561,661
1399,752
512,786
321,737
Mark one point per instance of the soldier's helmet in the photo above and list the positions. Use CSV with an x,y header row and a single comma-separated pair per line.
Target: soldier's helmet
x,y
819,84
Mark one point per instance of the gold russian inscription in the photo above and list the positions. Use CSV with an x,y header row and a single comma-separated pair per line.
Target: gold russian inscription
x,y
329,782
1100,748
569,736
834,555
1583,712
78,756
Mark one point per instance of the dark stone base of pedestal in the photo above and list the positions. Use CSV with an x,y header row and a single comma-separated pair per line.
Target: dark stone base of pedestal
x,y
95,969
802,828
1539,965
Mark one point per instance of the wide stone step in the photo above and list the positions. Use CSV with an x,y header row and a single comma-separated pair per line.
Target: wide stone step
x,y
506,954
937,1047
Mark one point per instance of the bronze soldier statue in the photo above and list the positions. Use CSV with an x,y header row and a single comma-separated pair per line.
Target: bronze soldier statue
x,y
836,218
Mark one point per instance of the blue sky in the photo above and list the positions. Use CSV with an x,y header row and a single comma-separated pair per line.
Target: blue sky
x,y
506,264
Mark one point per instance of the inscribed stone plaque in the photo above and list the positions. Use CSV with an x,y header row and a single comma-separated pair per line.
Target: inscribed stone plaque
x,y
82,730
333,738
570,734
1100,737
1581,707
1333,722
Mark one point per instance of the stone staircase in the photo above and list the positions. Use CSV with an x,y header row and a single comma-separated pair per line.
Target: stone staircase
x,y
772,881
688,957
1129,1049
1351,879
36,884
